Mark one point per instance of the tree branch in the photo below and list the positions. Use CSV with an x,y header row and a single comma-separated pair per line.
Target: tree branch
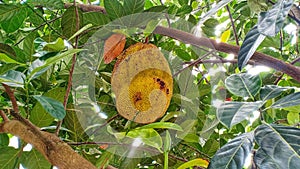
x,y
60,154
188,38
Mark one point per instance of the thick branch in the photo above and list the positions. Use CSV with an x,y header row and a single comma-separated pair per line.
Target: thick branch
x,y
60,154
188,38
260,58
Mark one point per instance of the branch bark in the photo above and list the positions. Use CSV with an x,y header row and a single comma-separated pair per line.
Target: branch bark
x,y
58,153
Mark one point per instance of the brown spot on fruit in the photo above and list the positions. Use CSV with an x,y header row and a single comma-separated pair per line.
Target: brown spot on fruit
x,y
137,97
162,85
167,91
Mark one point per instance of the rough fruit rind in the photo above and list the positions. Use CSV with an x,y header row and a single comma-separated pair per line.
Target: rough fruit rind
x,y
142,83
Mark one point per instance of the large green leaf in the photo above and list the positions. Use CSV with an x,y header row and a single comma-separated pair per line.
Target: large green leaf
x,y
287,101
233,155
38,115
162,125
251,42
270,22
13,78
95,18
133,6
243,85
69,21
114,9
73,124
41,65
148,136
28,45
4,140
8,11
53,4
280,144
55,46
271,91
196,162
35,160
263,160
8,156
15,22
232,113
52,106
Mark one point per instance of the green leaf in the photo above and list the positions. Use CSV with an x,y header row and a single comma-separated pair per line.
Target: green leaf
x,y
8,157
183,2
263,160
251,42
52,4
69,21
133,6
167,142
162,125
234,153
183,54
270,22
95,18
196,162
232,113
114,9
271,91
280,144
213,10
8,11
13,78
210,147
15,22
4,140
243,85
6,49
129,163
86,27
42,65
148,136
287,101
28,45
159,8
35,160
54,107
56,46
185,9
73,124
293,118
38,115
150,27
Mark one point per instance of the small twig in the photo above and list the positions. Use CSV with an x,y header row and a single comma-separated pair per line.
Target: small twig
x,y
233,26
3,115
281,76
66,98
12,97
107,122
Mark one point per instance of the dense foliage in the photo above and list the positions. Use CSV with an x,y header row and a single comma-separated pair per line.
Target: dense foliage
x,y
235,87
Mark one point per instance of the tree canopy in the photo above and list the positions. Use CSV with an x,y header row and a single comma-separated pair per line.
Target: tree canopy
x,y
149,84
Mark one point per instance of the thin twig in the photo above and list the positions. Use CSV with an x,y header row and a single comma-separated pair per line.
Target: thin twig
x,y
12,97
3,115
233,26
66,98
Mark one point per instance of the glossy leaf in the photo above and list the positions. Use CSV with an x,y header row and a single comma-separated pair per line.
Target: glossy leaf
x,y
55,4
133,6
4,140
167,142
8,157
8,11
114,9
263,160
271,91
39,116
232,113
251,42
280,144
54,107
42,65
287,101
270,22
243,85
35,160
69,22
234,153
148,136
95,18
15,22
55,46
162,125
13,78
196,162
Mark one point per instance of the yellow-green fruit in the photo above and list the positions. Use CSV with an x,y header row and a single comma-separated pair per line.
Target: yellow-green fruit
x,y
142,83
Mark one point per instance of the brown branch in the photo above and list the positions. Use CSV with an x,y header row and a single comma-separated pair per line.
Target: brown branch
x,y
188,38
12,97
3,115
60,154
260,58
87,8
